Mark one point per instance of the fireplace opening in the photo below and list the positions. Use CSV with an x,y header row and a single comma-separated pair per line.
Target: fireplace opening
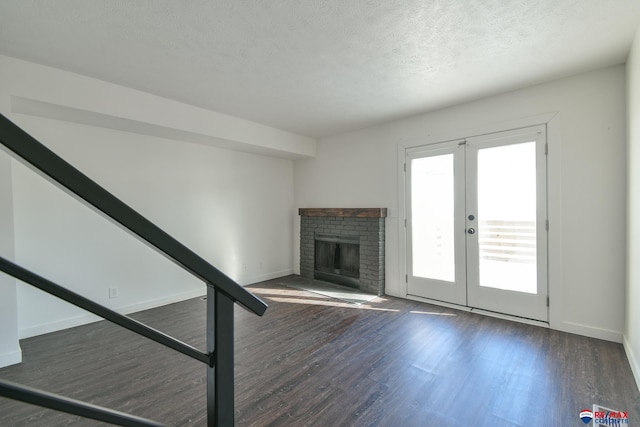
x,y
337,259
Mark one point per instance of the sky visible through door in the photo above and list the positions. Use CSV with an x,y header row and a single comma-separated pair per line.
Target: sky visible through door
x,y
433,217
506,191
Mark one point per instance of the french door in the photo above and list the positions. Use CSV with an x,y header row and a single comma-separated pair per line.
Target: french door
x,y
477,222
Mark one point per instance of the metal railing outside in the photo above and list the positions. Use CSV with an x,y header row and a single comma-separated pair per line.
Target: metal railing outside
x,y
508,241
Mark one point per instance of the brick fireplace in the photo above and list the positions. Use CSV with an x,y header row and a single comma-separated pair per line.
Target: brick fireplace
x,y
344,246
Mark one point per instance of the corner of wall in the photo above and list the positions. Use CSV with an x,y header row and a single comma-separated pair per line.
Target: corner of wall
x,y
10,358
631,337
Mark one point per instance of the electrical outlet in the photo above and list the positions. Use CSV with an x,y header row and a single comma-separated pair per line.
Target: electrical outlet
x,y
113,293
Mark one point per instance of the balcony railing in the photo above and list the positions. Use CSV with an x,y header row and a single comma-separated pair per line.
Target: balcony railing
x,y
508,241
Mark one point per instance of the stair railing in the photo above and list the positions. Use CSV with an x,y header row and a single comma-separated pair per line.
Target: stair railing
x,y
222,292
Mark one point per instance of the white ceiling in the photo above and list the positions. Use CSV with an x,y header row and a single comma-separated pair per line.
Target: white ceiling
x,y
321,67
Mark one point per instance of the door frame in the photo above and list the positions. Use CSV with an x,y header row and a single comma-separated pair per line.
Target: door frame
x,y
452,131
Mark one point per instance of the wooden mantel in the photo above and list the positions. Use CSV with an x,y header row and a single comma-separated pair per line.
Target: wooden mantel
x,y
345,212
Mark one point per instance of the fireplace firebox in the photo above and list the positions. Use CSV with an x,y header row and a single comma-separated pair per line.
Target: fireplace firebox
x,y
337,259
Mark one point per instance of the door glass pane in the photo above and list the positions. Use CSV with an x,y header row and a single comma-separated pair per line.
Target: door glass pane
x,y
432,210
507,217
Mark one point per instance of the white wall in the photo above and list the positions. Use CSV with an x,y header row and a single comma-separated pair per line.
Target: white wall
x,y
586,185
231,207
632,324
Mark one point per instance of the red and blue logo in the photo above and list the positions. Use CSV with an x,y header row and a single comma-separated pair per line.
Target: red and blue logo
x,y
604,417
586,416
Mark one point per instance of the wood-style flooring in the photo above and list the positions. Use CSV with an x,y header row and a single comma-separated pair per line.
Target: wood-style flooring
x,y
314,361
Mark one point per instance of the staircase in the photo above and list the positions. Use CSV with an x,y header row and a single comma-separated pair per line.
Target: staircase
x,y
222,292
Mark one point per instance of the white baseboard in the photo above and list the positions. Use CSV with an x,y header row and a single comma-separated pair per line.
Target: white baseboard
x,y
84,319
10,358
591,331
146,305
633,360
571,327
266,276
57,325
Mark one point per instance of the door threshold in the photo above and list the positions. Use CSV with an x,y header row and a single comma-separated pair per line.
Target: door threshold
x,y
438,302
528,321
503,316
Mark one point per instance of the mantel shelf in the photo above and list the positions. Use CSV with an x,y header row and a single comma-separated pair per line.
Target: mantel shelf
x,y
344,212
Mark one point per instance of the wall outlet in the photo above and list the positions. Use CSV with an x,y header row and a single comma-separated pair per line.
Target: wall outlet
x,y
113,293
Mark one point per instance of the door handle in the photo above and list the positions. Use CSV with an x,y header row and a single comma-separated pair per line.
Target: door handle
x,y
471,231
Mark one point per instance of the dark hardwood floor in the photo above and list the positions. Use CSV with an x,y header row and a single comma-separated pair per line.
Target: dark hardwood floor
x,y
313,361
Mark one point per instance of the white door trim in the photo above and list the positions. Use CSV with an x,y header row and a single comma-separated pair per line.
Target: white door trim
x,y
553,120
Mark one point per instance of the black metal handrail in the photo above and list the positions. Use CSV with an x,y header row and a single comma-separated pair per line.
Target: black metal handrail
x,y
72,406
54,289
222,291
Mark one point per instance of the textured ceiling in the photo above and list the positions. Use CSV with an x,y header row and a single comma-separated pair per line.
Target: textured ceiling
x,y
320,67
